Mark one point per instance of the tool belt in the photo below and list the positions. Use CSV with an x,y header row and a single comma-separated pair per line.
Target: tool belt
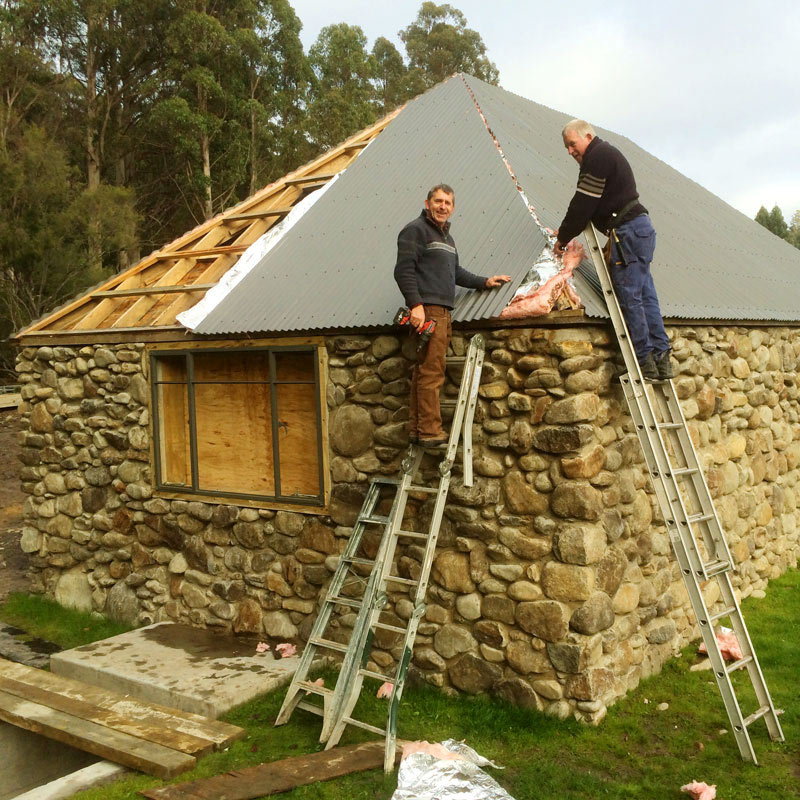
x,y
617,218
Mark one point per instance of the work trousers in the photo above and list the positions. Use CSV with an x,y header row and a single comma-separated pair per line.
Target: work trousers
x,y
635,289
427,377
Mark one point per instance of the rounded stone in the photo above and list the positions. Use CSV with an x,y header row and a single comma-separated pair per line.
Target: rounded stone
x,y
468,606
596,614
73,591
472,674
450,640
519,693
451,570
577,499
543,618
248,617
122,605
351,430
567,582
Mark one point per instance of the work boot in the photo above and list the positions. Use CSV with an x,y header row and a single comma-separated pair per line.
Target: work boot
x,y
433,442
664,366
649,369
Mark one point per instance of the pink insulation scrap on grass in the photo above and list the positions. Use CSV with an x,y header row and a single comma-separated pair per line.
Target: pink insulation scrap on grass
x,y
386,690
728,645
262,647
537,296
431,748
700,791
285,649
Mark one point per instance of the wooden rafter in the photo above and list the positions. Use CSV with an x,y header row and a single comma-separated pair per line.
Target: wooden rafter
x,y
150,294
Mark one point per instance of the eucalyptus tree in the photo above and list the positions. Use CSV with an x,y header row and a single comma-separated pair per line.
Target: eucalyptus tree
x,y
342,94
439,43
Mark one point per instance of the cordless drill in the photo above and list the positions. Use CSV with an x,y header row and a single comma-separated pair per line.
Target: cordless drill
x,y
403,317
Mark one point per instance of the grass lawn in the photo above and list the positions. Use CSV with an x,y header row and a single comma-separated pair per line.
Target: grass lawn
x,y
637,752
46,619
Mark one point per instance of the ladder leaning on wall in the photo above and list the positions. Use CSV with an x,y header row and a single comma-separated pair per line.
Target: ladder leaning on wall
x,y
694,529
361,582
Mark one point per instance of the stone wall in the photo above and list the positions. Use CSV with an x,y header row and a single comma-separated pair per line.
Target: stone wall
x,y
554,585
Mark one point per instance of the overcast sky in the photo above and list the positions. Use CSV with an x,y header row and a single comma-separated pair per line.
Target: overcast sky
x,y
710,87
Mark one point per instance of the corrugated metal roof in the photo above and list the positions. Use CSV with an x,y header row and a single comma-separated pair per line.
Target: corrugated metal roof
x,y
334,269
711,261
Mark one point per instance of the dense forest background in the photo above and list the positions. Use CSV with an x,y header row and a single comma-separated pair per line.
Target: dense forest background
x,y
124,123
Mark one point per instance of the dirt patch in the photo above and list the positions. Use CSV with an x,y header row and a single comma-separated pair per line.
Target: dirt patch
x,y
13,562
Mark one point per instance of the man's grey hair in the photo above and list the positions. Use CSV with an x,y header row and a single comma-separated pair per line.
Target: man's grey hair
x,y
578,126
442,187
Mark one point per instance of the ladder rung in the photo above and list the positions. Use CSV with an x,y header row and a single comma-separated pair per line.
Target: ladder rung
x,y
429,489
306,706
377,675
693,518
328,643
455,359
374,520
762,712
713,568
670,426
721,614
384,626
742,662
448,403
412,534
364,562
314,688
406,581
343,601
684,471
364,725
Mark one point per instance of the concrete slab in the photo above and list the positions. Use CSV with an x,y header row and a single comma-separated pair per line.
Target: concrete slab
x,y
196,670
98,774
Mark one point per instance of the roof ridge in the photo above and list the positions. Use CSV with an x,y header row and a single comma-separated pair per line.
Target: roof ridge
x,y
545,231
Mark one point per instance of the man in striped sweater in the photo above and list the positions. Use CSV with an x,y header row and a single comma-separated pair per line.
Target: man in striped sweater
x,y
606,195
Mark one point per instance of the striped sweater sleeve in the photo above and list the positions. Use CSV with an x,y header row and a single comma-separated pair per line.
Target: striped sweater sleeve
x,y
583,205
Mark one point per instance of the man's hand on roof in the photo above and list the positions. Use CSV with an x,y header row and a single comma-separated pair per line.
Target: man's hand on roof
x,y
558,248
496,280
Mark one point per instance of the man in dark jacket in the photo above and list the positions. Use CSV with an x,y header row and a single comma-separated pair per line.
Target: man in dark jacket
x,y
427,272
606,195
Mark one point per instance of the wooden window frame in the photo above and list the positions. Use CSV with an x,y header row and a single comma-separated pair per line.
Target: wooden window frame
x,y
317,504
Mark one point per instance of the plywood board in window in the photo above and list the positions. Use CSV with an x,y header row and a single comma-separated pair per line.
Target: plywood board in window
x,y
297,424
174,422
234,423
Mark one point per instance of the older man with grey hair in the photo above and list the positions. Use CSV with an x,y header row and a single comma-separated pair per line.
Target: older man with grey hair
x,y
606,195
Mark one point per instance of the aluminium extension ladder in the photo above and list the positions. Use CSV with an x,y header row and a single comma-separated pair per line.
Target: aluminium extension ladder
x,y
694,529
357,572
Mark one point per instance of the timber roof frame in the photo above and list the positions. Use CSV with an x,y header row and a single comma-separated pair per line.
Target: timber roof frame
x,y
147,297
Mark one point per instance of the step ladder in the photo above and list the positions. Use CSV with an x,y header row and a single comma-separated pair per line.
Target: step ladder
x,y
363,584
692,523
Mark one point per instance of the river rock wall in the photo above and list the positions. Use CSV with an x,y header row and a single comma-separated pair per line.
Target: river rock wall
x,y
554,585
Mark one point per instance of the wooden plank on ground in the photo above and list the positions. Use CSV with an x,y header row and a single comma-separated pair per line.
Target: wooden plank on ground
x,y
130,722
218,734
278,776
10,399
154,759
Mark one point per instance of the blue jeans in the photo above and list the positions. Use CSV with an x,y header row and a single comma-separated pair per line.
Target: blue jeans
x,y
635,289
